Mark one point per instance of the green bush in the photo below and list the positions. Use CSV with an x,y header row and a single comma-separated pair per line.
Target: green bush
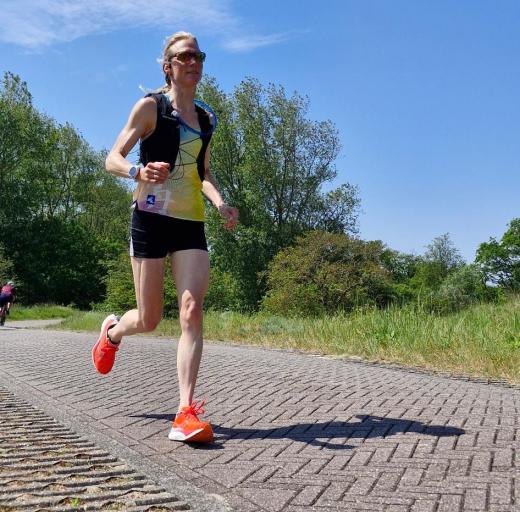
x,y
224,292
325,273
461,288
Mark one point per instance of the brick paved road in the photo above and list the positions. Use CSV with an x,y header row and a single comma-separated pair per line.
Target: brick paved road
x,y
293,432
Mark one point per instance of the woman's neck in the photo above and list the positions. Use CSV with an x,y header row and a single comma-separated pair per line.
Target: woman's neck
x,y
181,98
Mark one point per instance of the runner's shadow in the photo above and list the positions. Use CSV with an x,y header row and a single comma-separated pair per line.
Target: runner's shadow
x,y
321,434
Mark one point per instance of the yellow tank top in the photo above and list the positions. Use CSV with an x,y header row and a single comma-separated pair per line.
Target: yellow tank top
x,y
180,195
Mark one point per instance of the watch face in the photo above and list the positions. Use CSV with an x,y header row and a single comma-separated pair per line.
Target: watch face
x,y
132,172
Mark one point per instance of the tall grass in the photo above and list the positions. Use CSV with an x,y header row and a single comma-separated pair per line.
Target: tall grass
x,y
481,340
39,312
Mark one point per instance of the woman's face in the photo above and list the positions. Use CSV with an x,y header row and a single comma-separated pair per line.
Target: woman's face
x,y
186,63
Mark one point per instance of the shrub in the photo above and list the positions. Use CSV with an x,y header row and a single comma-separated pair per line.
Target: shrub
x,y
325,273
461,288
223,293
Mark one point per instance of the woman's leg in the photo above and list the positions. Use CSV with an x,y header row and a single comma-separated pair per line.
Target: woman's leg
x,y
149,284
191,274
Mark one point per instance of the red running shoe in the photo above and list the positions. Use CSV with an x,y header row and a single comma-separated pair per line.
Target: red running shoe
x,y
104,351
188,428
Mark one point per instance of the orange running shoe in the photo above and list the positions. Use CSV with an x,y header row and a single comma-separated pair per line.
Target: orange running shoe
x,y
188,428
104,351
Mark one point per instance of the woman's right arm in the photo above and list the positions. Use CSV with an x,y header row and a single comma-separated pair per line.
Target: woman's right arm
x,y
141,123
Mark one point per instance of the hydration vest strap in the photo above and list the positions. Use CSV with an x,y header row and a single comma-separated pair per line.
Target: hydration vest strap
x,y
164,111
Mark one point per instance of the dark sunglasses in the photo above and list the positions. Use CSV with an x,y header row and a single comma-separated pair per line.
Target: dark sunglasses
x,y
187,56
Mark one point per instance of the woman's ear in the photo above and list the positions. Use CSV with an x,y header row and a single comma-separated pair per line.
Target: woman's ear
x,y
167,68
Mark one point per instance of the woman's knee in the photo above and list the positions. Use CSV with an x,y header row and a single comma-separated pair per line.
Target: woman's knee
x,y
149,322
191,312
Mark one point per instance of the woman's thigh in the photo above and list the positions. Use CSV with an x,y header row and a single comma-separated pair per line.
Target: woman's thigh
x,y
190,270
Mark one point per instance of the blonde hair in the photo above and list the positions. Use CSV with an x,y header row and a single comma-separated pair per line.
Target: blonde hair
x,y
168,54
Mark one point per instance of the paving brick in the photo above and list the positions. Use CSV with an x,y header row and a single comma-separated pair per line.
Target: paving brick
x,y
362,486
500,494
450,503
397,508
475,499
269,499
308,495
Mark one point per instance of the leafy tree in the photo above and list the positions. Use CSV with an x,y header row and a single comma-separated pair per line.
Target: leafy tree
x,y
53,183
440,259
16,128
428,276
60,262
501,260
442,251
324,273
272,163
402,268
7,272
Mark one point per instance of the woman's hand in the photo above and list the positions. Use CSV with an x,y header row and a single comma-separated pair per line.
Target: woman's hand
x,y
230,214
154,172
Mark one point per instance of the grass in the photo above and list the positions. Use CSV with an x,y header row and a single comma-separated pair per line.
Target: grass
x,y
483,340
39,312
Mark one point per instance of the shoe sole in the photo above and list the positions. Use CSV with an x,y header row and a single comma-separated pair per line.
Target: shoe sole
x,y
103,325
200,435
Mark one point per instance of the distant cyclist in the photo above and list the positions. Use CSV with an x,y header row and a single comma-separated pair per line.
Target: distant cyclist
x,y
7,298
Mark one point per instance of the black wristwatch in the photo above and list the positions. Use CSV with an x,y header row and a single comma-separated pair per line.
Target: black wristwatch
x,y
133,172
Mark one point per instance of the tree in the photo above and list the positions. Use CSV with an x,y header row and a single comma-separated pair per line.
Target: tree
x,y
53,187
324,273
7,272
501,260
272,163
402,268
16,128
60,262
440,259
442,250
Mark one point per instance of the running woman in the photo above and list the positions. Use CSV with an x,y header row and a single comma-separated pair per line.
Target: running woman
x,y
168,218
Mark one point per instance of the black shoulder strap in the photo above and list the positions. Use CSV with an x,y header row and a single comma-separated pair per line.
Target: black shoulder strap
x,y
164,107
204,119
205,128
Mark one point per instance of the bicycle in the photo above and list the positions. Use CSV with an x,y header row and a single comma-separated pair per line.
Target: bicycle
x,y
4,311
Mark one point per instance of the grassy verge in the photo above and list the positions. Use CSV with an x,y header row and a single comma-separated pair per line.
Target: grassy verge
x,y
483,340
39,312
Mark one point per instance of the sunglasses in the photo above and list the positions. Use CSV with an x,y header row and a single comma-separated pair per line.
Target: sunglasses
x,y
187,56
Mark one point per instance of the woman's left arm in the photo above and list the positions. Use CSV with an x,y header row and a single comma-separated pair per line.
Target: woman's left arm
x,y
211,191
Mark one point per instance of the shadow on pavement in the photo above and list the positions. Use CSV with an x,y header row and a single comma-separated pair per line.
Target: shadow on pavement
x,y
368,427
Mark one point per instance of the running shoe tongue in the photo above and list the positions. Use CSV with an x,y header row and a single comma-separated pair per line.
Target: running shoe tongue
x,y
193,410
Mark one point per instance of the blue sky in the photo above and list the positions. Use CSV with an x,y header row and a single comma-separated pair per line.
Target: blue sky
x,y
425,94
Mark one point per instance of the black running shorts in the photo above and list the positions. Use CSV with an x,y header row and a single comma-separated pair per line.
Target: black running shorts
x,y
154,236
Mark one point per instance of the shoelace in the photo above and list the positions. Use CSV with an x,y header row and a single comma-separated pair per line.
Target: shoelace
x,y
195,408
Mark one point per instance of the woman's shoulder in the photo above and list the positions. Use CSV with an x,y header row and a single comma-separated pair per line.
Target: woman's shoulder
x,y
147,102
146,107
